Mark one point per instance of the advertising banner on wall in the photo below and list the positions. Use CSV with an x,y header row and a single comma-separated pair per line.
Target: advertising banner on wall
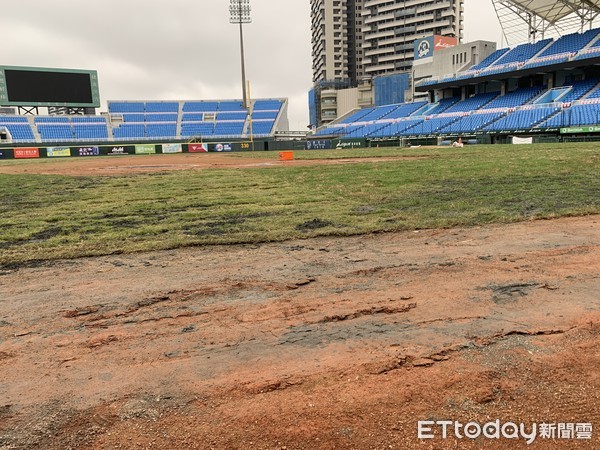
x,y
424,48
118,150
58,152
145,149
197,148
88,151
6,154
442,42
350,143
172,148
321,144
222,148
24,153
577,130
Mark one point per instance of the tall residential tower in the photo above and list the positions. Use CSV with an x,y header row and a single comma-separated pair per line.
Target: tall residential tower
x,y
354,40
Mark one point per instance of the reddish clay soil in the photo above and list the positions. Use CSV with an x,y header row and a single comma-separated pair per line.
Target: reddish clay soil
x,y
329,343
119,165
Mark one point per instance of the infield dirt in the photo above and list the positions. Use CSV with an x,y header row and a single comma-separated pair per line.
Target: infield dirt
x,y
327,343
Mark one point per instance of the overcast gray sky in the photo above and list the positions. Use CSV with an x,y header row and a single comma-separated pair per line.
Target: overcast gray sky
x,y
181,49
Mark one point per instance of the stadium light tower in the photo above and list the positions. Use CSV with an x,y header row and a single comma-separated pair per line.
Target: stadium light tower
x,y
240,14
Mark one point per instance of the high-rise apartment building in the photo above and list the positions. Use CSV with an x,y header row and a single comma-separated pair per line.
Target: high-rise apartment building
x,y
355,39
390,29
336,40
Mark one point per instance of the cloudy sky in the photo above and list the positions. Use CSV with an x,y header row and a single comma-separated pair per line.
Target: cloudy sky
x,y
181,49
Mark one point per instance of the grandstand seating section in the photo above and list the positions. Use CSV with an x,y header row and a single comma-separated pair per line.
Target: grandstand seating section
x,y
487,112
151,120
570,47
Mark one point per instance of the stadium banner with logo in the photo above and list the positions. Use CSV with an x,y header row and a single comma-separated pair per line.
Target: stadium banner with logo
x,y
442,42
424,48
25,153
221,148
117,150
172,148
319,144
578,130
58,152
197,148
87,151
145,149
350,143
6,154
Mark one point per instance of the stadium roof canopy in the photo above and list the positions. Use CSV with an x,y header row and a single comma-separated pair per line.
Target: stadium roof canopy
x,y
531,20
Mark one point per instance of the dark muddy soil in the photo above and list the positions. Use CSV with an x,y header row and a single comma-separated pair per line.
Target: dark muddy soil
x,y
330,343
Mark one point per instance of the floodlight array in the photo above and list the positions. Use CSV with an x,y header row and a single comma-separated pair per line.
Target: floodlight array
x,y
240,11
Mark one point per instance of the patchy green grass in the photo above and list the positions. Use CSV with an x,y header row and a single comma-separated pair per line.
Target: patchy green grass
x,y
48,217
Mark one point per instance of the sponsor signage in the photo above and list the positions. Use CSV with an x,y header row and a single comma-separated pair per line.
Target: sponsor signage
x,y
88,151
197,148
321,144
117,150
353,143
442,42
577,130
24,153
145,149
6,154
223,148
58,152
424,48
172,148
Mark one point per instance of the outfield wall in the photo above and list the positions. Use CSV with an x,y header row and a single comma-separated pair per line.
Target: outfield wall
x,y
70,150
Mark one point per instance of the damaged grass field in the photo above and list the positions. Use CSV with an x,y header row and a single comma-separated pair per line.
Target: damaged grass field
x,y
45,217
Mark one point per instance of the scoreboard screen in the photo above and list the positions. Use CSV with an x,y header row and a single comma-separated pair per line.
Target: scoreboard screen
x,y
26,86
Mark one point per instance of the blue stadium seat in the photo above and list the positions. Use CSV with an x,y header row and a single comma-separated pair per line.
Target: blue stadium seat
x,y
522,53
88,119
265,115
570,43
161,130
162,107
20,132
471,104
161,117
443,105
130,131
200,106
234,115
197,129
90,131
472,123
577,115
358,115
267,105
518,97
262,127
125,107
228,128
13,119
579,90
490,59
51,132
405,110
52,119
230,106
522,119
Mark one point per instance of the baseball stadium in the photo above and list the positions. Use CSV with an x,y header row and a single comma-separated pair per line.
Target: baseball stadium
x,y
419,268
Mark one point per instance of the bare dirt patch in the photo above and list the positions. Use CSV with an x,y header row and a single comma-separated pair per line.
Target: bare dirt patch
x,y
322,343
